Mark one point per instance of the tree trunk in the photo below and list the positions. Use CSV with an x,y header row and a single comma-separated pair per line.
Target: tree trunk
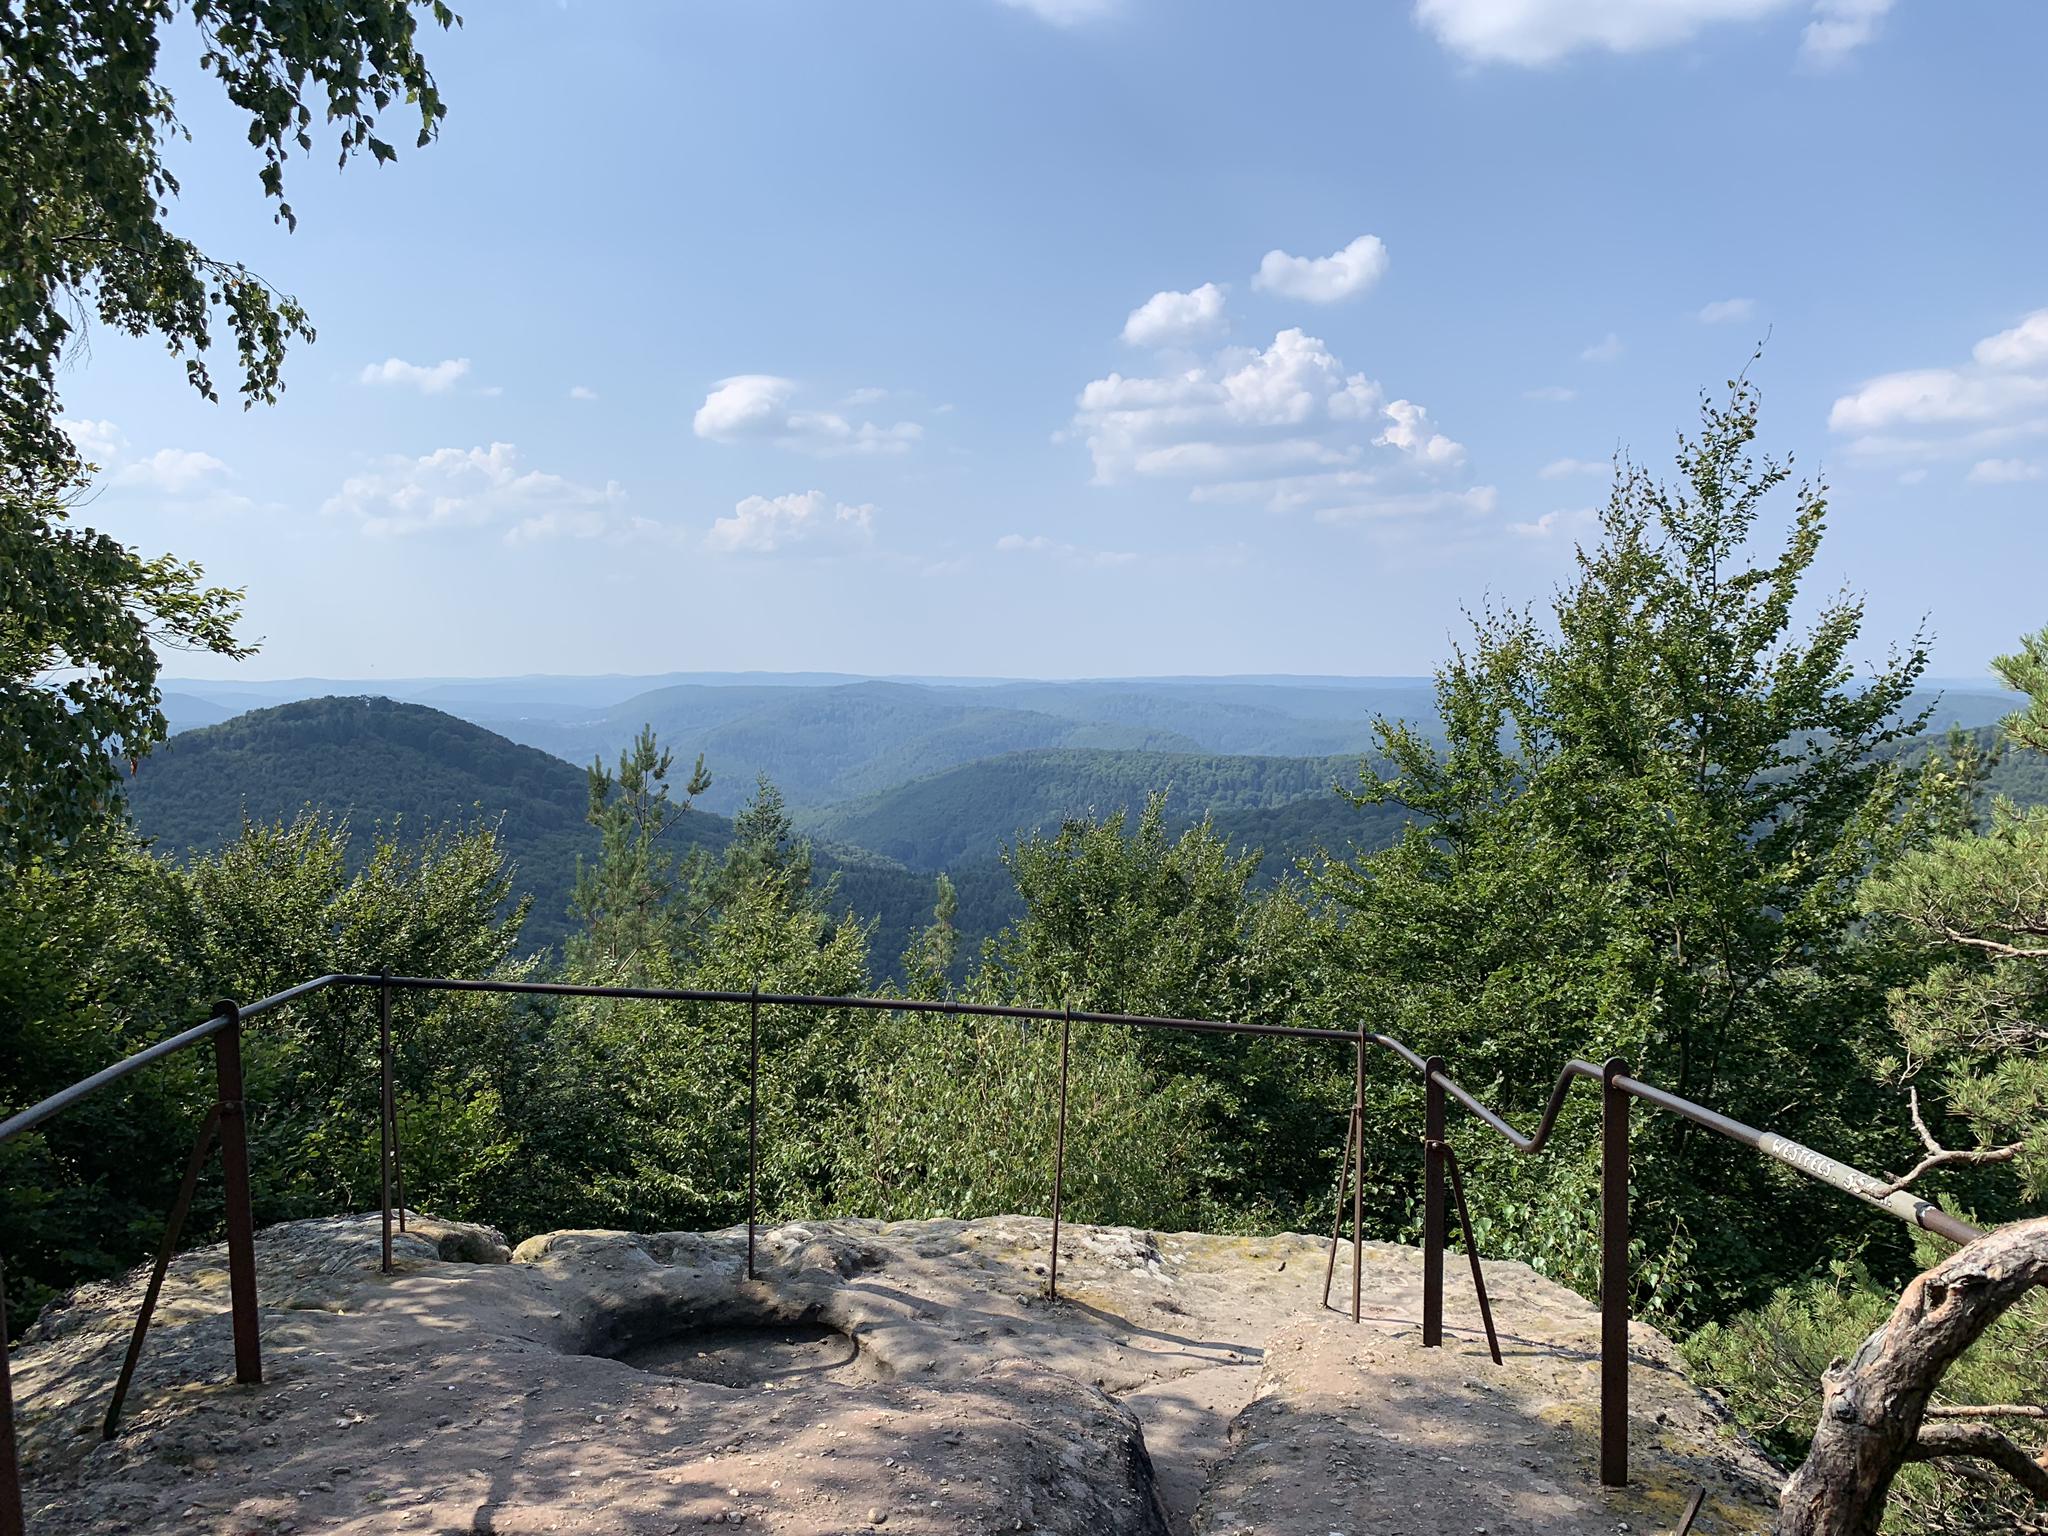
x,y
1872,1406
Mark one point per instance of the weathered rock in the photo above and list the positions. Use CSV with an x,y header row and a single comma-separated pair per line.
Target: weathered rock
x,y
910,1376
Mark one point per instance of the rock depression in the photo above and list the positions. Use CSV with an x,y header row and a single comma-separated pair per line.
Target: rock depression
x,y
908,1377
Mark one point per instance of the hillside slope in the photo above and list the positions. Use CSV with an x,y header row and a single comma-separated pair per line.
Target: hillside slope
x,y
821,745
966,813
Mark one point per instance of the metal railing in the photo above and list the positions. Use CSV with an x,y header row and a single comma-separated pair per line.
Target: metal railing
x,y
225,1123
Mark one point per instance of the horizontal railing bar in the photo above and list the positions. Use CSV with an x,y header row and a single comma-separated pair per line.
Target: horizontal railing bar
x,y
33,1116
1815,1165
28,1119
871,1004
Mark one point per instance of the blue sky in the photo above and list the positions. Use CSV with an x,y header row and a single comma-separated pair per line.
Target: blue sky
x,y
1095,337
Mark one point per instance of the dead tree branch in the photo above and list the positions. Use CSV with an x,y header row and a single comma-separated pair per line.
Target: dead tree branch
x,y
1939,1156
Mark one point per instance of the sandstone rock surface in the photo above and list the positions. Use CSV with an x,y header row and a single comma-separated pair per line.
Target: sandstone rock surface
x,y
907,1377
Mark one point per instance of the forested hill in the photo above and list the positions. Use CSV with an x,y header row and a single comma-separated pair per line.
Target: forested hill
x,y
966,813
380,763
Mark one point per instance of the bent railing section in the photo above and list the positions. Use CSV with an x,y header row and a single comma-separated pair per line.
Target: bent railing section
x,y
224,1124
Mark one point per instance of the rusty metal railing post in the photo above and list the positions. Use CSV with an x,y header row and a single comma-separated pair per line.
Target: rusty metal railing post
x,y
10,1466
1433,1130
241,1218
1358,1179
386,1127
1059,1154
1614,1276
753,1120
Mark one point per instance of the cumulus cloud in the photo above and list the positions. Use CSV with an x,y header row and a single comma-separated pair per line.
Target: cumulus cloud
x,y
1324,279
757,406
427,378
1536,33
1409,430
1174,319
2003,471
2000,394
456,488
2024,346
763,525
1726,311
174,471
1286,425
1068,554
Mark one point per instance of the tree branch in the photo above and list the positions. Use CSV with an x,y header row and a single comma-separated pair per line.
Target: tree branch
x,y
1984,1443
1993,946
1985,1411
1939,1156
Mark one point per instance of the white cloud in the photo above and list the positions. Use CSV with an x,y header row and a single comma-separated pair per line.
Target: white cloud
x,y
1559,469
1066,13
1726,311
2024,346
1536,33
1605,350
427,378
1967,410
1409,430
1324,279
1933,397
867,395
1070,554
174,471
1285,425
1551,394
97,442
472,488
1172,319
757,406
1839,28
582,392
745,405
761,525
1551,523
1912,477
2003,471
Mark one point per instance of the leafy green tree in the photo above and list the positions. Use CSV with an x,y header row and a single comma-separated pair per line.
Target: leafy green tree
x,y
1127,919
81,620
118,948
928,962
84,196
627,899
1643,836
1975,1026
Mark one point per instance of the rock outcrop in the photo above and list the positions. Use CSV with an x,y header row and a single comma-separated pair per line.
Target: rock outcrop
x,y
911,1377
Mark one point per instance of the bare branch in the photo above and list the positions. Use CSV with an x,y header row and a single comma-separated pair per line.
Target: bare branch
x,y
1984,1411
1984,1443
1995,947
1971,1156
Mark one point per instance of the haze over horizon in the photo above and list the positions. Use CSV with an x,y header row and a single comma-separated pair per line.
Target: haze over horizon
x,y
1024,338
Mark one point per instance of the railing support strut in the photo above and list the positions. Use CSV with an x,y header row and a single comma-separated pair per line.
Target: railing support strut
x,y
241,1222
1059,1157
